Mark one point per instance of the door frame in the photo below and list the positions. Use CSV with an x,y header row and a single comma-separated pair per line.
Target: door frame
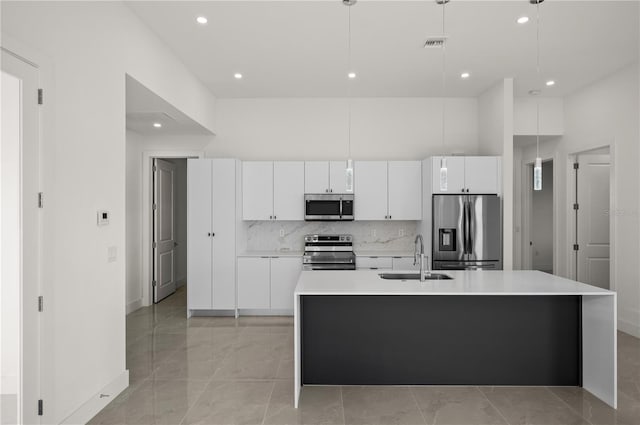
x,y
570,213
527,203
147,214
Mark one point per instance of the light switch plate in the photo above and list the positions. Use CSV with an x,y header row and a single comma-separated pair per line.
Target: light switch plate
x,y
103,218
112,254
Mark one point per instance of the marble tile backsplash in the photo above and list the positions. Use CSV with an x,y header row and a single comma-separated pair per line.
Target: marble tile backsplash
x,y
367,235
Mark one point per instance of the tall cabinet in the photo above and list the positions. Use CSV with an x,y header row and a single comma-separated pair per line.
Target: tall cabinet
x,y
211,206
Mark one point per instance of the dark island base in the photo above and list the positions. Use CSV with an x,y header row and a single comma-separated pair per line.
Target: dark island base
x,y
441,340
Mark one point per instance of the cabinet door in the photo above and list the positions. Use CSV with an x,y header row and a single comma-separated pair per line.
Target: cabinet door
x,y
288,190
405,190
375,263
199,243
257,190
370,190
253,282
455,174
224,235
406,263
285,272
316,177
481,174
338,176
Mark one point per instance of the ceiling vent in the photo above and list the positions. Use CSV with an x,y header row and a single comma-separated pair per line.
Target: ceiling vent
x,y
435,42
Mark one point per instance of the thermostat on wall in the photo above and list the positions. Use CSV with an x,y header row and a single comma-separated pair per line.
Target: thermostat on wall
x,y
103,218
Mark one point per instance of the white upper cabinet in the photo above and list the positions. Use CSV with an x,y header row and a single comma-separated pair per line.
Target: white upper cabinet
x,y
325,176
257,190
405,190
288,190
388,190
273,190
338,176
370,190
470,174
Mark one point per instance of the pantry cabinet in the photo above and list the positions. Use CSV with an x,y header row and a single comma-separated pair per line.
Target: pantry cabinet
x,y
211,217
468,174
273,190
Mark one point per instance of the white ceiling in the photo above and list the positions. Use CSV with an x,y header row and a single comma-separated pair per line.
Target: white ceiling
x,y
299,48
144,108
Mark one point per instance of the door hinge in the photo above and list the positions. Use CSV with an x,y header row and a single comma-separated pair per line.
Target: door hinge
x,y
153,283
576,206
155,169
40,408
576,165
40,96
40,303
155,245
576,247
154,207
40,200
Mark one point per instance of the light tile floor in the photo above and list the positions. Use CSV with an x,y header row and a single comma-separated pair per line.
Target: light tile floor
x,y
226,371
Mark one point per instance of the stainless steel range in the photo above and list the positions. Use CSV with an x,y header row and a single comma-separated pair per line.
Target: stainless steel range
x,y
328,252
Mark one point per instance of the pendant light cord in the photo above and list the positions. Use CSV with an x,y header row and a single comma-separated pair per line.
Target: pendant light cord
x,y
444,82
538,78
349,79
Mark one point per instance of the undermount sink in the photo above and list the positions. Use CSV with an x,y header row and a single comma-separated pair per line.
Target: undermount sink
x,y
414,276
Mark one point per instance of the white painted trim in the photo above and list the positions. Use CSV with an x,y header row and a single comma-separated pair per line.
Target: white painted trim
x,y
629,328
145,200
181,281
97,402
134,305
9,385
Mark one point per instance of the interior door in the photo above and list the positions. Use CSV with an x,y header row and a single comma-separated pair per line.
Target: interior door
x,y
163,230
20,183
593,220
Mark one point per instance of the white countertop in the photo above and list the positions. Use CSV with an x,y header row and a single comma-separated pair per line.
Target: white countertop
x,y
383,253
270,254
489,282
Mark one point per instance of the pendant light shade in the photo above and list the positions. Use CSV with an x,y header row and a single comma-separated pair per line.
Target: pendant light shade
x,y
444,183
537,174
349,169
537,166
349,176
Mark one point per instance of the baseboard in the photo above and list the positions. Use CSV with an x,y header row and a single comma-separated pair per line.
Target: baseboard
x,y
629,328
9,385
261,312
134,305
207,313
98,401
182,281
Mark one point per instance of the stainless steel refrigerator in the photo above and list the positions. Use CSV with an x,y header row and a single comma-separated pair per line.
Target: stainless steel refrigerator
x,y
467,232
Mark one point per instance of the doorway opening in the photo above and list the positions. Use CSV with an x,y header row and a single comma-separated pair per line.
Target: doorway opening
x,y
590,183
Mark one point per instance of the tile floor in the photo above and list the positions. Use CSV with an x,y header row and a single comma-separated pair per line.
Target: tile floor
x,y
227,371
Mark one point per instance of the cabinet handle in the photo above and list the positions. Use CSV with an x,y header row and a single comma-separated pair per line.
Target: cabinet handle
x,y
389,217
274,217
326,190
209,234
270,217
467,190
212,234
462,190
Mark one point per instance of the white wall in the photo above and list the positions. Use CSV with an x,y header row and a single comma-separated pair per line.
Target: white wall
x,y
525,114
10,237
495,134
137,146
90,47
542,221
382,128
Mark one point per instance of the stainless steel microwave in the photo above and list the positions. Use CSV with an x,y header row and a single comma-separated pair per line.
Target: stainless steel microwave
x,y
328,207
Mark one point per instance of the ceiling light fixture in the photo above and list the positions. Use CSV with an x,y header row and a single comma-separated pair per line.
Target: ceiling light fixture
x,y
352,75
537,166
522,20
157,125
202,20
237,76
550,83
444,180
465,75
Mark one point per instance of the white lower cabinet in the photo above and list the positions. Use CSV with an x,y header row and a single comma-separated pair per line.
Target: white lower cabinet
x,y
405,263
267,283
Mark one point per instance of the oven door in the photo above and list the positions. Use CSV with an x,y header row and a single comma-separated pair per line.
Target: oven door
x,y
322,209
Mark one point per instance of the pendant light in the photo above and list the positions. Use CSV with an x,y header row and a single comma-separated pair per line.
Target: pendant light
x,y
537,166
444,180
351,76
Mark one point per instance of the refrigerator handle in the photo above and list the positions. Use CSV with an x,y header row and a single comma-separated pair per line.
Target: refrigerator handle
x,y
468,242
464,227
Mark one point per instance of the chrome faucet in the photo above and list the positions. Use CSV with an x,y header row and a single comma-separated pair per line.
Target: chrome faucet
x,y
421,253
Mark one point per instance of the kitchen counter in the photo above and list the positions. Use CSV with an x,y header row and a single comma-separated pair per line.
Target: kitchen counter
x,y
480,328
383,253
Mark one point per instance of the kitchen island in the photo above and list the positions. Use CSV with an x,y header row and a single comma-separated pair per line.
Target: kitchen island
x,y
480,328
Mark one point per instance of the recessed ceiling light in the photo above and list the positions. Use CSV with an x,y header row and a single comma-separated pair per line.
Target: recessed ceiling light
x,y
352,75
237,76
465,75
157,125
201,20
550,83
522,20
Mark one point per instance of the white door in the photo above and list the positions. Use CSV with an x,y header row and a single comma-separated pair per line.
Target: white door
x,y
481,174
288,190
163,230
223,234
338,176
254,282
285,272
21,228
455,174
257,190
405,190
593,220
316,177
199,239
370,190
